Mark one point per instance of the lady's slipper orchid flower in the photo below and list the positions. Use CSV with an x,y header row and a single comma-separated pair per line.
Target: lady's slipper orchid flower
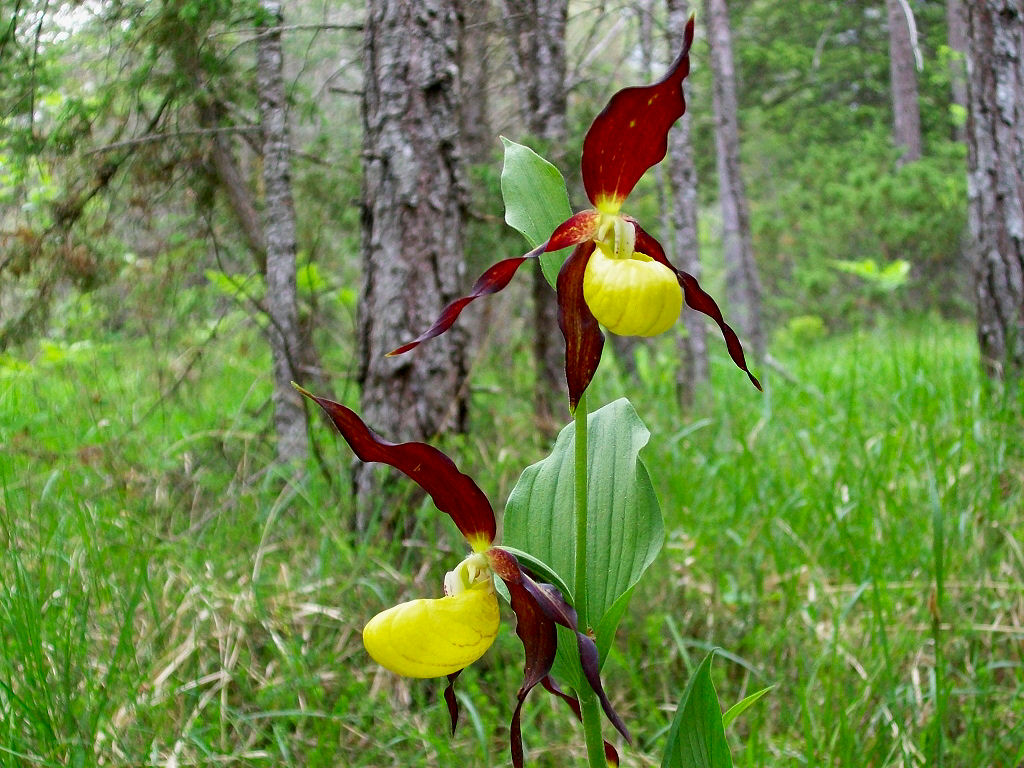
x,y
440,637
618,275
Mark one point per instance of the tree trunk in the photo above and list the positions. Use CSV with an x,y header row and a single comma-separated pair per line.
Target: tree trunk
x,y
995,133
279,238
536,35
693,372
956,38
478,139
903,81
742,284
412,220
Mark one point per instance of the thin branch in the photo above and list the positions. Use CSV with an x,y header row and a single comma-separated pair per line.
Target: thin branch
x,y
154,137
914,42
258,33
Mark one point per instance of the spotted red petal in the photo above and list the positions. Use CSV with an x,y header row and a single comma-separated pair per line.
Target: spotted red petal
x,y
577,229
583,338
696,298
631,133
453,492
491,281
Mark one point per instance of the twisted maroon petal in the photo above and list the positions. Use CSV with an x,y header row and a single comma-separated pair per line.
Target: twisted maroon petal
x,y
454,493
451,701
537,633
696,298
583,338
631,133
538,608
491,281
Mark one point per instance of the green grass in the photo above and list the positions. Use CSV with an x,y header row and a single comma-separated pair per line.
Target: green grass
x,y
853,536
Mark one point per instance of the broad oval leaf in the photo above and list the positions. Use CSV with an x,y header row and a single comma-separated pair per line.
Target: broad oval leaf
x,y
696,738
536,201
624,524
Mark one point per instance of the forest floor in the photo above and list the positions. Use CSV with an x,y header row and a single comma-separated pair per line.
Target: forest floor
x,y
853,537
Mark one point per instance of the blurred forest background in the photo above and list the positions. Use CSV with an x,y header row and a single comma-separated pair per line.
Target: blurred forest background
x,y
201,201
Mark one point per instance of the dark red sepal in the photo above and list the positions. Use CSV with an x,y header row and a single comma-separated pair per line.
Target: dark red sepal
x,y
559,611
583,338
631,133
577,229
590,662
451,701
453,493
537,633
538,608
491,281
696,298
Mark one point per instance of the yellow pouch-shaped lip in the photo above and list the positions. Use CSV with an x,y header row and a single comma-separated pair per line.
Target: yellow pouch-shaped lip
x,y
634,296
435,637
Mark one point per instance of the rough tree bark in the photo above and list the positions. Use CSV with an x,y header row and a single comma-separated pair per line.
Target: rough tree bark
x,y
412,219
742,284
995,140
906,132
693,372
536,36
478,139
279,238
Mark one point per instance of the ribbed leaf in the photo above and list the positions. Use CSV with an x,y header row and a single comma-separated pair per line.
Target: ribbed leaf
x,y
536,201
624,524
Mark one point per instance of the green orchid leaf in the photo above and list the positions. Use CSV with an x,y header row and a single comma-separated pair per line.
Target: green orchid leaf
x,y
740,707
696,738
536,201
624,524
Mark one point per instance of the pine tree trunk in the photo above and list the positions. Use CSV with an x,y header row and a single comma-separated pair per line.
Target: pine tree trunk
x,y
995,134
413,205
742,284
693,372
536,34
279,238
478,139
903,82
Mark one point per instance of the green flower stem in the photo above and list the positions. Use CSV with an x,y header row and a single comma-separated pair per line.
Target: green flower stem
x,y
580,497
589,706
591,711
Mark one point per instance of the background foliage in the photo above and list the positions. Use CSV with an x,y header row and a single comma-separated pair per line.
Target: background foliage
x,y
853,536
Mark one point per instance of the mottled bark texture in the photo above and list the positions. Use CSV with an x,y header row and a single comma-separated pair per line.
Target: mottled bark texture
x,y
478,139
693,372
536,34
279,238
995,134
742,284
906,116
413,205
